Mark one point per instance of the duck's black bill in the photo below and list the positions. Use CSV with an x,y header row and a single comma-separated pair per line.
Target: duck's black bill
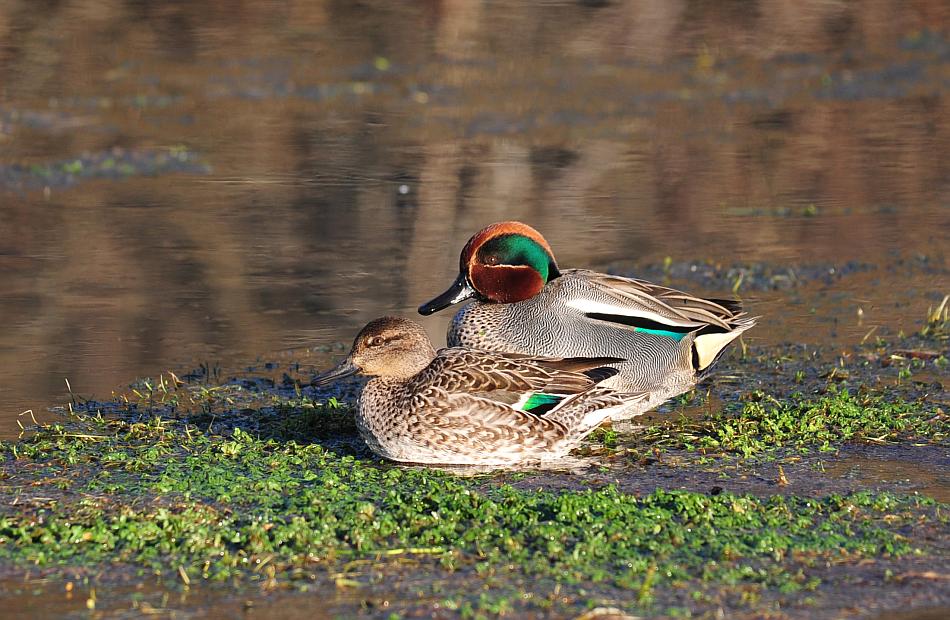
x,y
345,369
459,291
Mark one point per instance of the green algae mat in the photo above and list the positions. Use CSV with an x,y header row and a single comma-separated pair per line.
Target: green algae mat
x,y
736,499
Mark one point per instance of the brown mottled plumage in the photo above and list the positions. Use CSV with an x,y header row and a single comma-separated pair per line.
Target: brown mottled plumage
x,y
461,406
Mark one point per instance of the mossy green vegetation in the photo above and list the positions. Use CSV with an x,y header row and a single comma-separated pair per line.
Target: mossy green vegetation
x,y
765,424
173,500
256,482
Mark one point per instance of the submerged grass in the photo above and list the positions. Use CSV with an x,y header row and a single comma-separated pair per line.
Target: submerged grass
x,y
937,327
170,499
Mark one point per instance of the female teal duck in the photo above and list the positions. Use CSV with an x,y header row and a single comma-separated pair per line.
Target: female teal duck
x,y
526,304
468,407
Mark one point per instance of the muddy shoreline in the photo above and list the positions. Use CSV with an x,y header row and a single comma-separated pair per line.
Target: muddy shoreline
x,y
188,449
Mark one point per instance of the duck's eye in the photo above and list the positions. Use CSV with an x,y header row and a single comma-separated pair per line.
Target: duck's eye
x,y
491,259
374,341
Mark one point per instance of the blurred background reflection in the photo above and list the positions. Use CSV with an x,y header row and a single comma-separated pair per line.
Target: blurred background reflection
x,y
223,181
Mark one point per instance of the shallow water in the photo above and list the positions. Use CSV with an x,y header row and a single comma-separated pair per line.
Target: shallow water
x,y
76,599
209,183
934,483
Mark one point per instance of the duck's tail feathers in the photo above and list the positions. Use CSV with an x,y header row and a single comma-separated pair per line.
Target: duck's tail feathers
x,y
732,305
601,373
582,364
709,345
594,368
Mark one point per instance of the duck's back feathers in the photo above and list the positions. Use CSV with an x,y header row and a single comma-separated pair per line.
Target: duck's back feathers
x,y
460,370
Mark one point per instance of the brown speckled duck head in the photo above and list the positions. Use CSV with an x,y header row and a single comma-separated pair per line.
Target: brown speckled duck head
x,y
389,347
502,263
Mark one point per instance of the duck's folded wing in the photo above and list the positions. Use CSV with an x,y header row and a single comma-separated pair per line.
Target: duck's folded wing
x,y
469,371
638,303
468,423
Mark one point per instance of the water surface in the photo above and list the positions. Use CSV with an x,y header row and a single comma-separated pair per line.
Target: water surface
x,y
217,183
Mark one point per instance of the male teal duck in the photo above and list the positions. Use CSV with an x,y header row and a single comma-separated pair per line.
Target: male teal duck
x,y
466,407
526,304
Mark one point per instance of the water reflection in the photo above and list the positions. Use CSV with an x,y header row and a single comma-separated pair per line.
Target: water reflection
x,y
352,148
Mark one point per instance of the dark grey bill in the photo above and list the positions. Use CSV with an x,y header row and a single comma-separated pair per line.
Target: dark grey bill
x,y
345,369
459,291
